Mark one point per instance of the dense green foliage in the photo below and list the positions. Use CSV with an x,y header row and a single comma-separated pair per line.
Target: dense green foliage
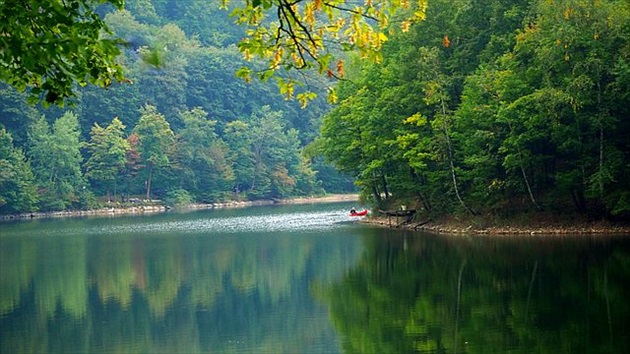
x,y
493,108
483,108
48,46
182,127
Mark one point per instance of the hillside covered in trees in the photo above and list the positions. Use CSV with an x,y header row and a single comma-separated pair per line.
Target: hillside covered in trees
x,y
181,127
495,108
483,108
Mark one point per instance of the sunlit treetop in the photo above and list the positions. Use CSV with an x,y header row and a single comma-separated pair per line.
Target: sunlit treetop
x,y
306,34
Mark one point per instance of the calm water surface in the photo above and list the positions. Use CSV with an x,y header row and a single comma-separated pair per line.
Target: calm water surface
x,y
303,279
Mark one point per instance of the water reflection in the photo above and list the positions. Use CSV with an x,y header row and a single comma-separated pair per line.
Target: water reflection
x,y
424,293
219,289
189,283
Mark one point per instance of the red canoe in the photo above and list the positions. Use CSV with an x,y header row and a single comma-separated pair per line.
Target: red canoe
x,y
359,213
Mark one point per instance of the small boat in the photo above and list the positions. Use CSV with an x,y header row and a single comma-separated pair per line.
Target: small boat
x,y
359,213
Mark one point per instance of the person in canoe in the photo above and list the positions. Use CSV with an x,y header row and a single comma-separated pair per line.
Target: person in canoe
x,y
354,212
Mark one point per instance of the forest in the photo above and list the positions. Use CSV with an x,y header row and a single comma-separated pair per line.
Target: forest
x,y
180,128
482,108
495,108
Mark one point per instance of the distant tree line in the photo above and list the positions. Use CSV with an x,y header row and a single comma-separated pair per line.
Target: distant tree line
x,y
493,108
182,127
259,157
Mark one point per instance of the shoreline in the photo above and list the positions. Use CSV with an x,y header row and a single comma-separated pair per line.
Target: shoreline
x,y
457,228
153,209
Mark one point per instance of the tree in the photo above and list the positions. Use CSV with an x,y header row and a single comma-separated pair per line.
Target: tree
x,y
51,45
306,35
156,143
244,164
202,156
266,155
18,193
559,97
48,46
17,116
56,161
107,149
133,166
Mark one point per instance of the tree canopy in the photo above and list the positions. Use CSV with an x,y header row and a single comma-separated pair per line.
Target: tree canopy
x,y
493,109
485,109
48,46
51,45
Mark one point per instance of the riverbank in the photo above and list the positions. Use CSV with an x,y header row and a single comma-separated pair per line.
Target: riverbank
x,y
536,226
154,207
330,198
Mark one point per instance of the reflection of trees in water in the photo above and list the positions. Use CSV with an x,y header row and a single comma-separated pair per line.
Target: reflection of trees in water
x,y
17,265
426,293
147,293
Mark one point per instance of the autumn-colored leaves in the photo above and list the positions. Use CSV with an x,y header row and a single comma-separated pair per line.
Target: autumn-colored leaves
x,y
310,35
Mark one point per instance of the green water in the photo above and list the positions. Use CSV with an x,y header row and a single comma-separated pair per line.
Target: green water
x,y
303,279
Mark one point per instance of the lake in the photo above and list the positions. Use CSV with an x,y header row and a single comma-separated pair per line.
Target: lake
x,y
303,279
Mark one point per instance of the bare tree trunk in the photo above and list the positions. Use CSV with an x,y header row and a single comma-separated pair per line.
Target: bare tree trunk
x,y
601,160
148,182
529,189
450,160
601,141
384,182
377,196
520,165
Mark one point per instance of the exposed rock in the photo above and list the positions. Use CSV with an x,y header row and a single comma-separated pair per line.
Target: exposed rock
x,y
456,228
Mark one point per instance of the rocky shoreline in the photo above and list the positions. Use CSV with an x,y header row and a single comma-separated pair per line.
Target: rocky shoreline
x,y
458,228
158,208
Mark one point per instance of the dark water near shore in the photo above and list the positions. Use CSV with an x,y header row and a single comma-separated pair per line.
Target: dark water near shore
x,y
303,279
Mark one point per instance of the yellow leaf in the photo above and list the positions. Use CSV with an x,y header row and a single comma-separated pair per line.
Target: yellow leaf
x,y
340,68
332,96
405,26
446,42
416,119
567,13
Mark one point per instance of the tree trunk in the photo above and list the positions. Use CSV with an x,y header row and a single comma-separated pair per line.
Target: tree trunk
x,y
601,141
115,189
601,161
450,161
529,189
520,165
148,182
384,182
377,196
